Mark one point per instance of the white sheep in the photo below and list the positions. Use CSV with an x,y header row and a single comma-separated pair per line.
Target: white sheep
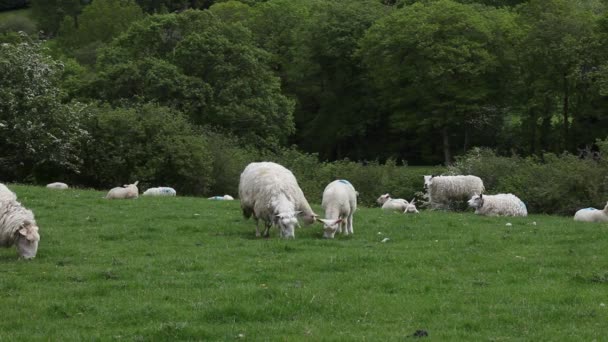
x,y
411,207
160,191
388,203
221,198
57,185
340,202
443,190
498,205
6,194
592,215
270,192
126,192
18,227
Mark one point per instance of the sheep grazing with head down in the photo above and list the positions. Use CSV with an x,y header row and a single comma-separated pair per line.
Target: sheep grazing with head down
x,y
498,205
160,191
6,194
339,202
443,190
592,215
57,186
270,192
18,227
127,192
388,203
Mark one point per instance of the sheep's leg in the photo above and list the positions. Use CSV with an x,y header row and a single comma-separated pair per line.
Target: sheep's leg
x,y
350,224
257,228
267,229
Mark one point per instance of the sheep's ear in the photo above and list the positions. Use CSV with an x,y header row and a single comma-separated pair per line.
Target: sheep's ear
x,y
413,200
135,183
298,212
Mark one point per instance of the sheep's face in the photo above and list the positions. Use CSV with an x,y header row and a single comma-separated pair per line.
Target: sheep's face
x,y
27,241
330,227
428,180
476,201
382,199
287,223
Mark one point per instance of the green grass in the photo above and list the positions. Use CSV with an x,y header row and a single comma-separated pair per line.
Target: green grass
x,y
23,12
191,269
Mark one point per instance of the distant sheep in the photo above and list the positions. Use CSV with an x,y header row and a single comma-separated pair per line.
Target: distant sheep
x,y
443,190
498,205
222,198
18,227
160,191
6,194
127,192
388,203
340,203
592,215
270,192
57,185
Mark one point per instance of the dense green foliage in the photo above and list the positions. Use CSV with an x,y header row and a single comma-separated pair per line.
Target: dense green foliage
x,y
191,269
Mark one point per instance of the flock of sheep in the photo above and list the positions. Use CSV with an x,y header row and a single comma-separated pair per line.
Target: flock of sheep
x,y
270,194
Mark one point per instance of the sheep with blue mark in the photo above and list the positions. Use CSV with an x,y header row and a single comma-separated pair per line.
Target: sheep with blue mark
x,y
592,215
160,191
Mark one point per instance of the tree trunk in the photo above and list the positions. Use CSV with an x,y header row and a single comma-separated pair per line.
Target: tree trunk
x,y
566,105
446,146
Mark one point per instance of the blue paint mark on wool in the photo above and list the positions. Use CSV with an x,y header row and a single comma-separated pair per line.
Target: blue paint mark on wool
x,y
344,181
589,209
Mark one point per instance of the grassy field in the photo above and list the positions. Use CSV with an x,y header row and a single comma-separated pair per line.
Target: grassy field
x,y
24,12
192,269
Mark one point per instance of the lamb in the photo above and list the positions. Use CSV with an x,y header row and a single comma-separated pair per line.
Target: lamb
x,y
160,191
388,203
442,190
6,194
270,192
411,207
127,192
592,215
340,203
18,227
222,198
498,205
57,185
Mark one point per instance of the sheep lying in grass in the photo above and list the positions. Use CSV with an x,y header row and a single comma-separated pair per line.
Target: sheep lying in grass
x,y
411,207
340,203
57,185
6,194
443,190
498,205
127,192
160,191
592,215
18,227
388,203
271,193
221,198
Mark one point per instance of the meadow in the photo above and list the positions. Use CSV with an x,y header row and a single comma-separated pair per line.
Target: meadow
x,y
188,268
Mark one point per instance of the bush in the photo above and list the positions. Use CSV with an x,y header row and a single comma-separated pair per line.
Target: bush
x,y
16,24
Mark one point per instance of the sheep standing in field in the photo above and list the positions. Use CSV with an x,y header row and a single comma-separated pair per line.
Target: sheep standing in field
x,y
126,192
221,198
340,203
160,191
592,215
411,207
18,227
271,193
443,190
6,194
498,205
388,203
57,186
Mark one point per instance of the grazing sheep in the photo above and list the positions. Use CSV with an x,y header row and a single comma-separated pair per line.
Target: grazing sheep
x,y
271,193
388,203
498,205
442,190
57,185
592,215
18,227
6,194
411,207
340,203
222,198
127,192
160,191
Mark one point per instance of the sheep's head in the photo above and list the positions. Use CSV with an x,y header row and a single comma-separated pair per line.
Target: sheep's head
x,y
606,208
330,227
27,241
287,223
476,201
411,207
428,180
382,199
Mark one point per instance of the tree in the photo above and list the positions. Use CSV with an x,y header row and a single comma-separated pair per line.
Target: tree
x,y
50,13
